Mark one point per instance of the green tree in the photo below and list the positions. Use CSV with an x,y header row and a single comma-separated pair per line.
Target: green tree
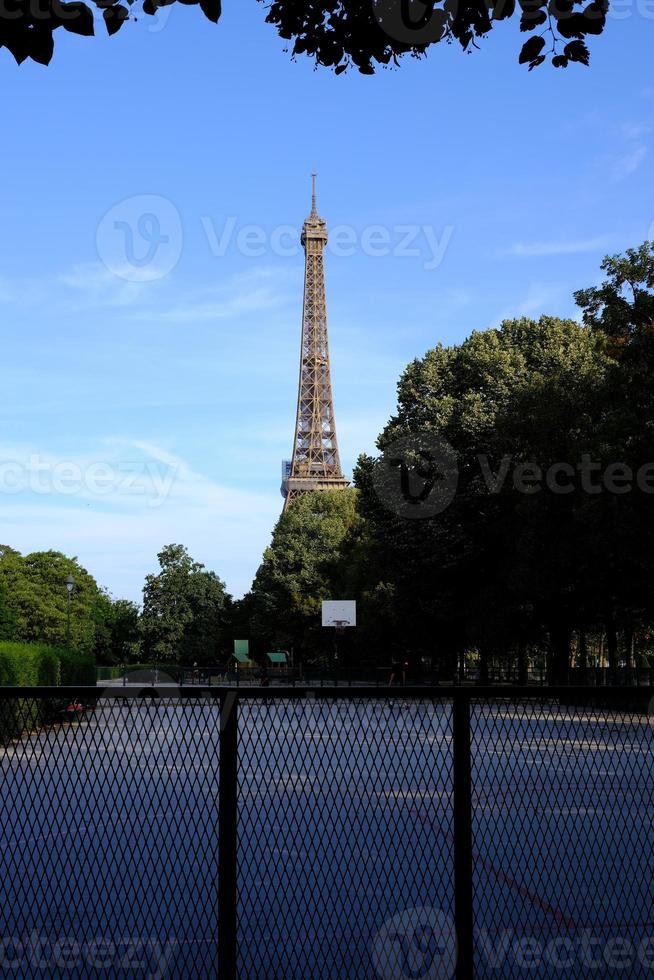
x,y
305,563
497,568
621,310
622,307
184,608
119,633
37,600
7,619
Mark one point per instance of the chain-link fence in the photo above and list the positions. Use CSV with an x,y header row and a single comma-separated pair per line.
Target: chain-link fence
x,y
308,833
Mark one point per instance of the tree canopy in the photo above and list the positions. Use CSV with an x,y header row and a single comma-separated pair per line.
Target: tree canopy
x,y
34,601
184,611
549,533
304,564
338,34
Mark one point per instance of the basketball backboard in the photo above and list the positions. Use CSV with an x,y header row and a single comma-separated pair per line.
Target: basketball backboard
x,y
339,612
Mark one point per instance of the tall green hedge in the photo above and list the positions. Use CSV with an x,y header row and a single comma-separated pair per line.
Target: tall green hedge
x,y
36,665
28,665
76,668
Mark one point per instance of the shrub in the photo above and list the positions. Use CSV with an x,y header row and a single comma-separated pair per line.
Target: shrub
x,y
28,665
37,665
76,668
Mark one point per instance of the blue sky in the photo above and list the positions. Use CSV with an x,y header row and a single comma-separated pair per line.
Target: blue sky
x,y
149,404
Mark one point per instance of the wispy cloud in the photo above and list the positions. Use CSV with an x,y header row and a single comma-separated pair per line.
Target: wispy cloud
x,y
539,298
92,284
84,286
629,163
116,529
573,247
217,308
633,153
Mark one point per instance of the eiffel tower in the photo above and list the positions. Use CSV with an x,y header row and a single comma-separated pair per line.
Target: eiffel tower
x,y
316,463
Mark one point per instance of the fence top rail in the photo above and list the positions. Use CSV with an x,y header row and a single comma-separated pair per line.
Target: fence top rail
x,y
282,692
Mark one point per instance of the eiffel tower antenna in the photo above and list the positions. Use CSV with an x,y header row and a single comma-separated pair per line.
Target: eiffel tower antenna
x,y
316,463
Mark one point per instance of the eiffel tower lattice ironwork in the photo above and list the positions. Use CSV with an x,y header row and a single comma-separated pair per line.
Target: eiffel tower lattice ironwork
x,y
316,463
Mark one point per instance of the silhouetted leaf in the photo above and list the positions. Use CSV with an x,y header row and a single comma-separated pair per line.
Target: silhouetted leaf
x,y
577,51
536,62
211,9
533,19
595,17
115,17
76,18
503,9
336,33
42,47
18,43
531,49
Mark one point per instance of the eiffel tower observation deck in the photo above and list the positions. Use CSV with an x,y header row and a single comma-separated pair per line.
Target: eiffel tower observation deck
x,y
316,463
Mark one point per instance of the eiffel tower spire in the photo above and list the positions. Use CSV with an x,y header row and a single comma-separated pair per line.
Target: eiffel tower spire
x,y
316,463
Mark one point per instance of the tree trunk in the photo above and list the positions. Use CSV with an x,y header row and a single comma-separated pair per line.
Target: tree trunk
x,y
612,648
583,654
629,648
483,666
560,635
523,677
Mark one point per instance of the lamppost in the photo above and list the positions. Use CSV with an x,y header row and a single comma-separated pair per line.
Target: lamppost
x,y
70,585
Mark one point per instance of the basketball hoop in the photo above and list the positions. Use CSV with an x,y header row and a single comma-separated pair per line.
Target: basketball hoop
x,y
339,624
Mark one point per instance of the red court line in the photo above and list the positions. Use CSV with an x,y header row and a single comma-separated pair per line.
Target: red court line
x,y
560,917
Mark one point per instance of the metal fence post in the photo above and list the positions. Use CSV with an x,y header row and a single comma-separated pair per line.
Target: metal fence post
x,y
463,914
227,835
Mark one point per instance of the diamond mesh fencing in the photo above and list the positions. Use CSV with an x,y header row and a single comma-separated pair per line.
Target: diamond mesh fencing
x,y
345,822
315,834
563,801
109,825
